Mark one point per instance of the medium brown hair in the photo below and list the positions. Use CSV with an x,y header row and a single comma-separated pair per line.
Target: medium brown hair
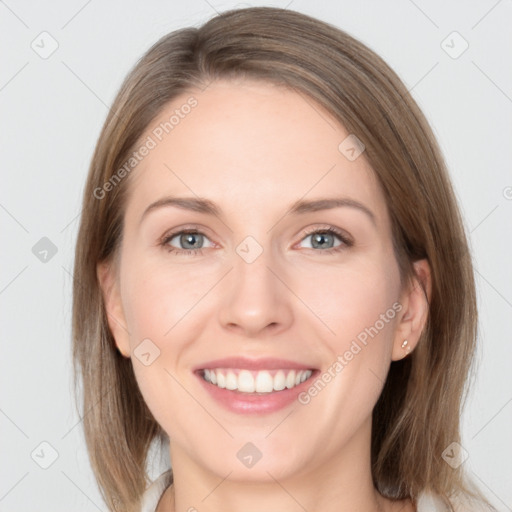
x,y
418,413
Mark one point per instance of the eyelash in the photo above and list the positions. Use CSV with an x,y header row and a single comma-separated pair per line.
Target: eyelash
x,y
329,230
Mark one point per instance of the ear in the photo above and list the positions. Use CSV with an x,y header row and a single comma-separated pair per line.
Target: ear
x,y
415,302
109,284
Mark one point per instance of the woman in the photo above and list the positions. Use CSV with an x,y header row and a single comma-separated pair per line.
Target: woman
x,y
272,273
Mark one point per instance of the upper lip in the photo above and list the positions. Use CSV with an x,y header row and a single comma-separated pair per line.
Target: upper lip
x,y
267,363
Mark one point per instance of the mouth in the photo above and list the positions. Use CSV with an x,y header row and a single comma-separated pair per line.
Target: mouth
x,y
250,381
254,386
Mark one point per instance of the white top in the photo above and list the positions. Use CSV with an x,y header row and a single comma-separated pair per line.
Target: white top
x,y
150,499
154,492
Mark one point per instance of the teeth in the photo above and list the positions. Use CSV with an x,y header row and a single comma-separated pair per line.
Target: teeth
x,y
221,380
245,382
231,382
263,381
279,381
290,380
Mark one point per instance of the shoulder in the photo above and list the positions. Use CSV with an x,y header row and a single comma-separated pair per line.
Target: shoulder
x,y
431,502
154,492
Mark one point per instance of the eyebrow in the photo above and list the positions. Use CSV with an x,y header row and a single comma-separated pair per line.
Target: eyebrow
x,y
201,205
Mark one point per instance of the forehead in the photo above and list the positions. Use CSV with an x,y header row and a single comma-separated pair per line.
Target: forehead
x,y
241,143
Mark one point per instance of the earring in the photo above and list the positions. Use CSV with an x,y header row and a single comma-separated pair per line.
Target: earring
x,y
405,347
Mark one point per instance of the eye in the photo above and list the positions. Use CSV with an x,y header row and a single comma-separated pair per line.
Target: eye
x,y
190,240
325,239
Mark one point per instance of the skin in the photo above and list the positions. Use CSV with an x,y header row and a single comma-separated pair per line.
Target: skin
x,y
254,148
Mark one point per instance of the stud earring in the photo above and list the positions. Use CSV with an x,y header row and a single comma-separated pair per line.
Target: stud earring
x,y
405,347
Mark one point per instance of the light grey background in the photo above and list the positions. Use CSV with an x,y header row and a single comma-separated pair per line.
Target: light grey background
x,y
52,110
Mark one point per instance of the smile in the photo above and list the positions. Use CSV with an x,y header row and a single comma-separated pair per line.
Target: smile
x,y
263,381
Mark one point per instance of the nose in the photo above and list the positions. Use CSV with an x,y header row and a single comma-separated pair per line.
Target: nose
x,y
256,300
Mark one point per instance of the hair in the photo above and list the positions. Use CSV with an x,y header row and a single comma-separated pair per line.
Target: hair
x,y
418,413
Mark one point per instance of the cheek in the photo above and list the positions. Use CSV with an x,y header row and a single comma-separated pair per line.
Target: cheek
x,y
158,299
162,304
159,310
354,301
360,305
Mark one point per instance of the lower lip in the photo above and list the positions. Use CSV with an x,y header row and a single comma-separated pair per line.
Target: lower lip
x,y
255,403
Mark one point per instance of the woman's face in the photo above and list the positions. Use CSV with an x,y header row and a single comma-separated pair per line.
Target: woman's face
x,y
254,172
